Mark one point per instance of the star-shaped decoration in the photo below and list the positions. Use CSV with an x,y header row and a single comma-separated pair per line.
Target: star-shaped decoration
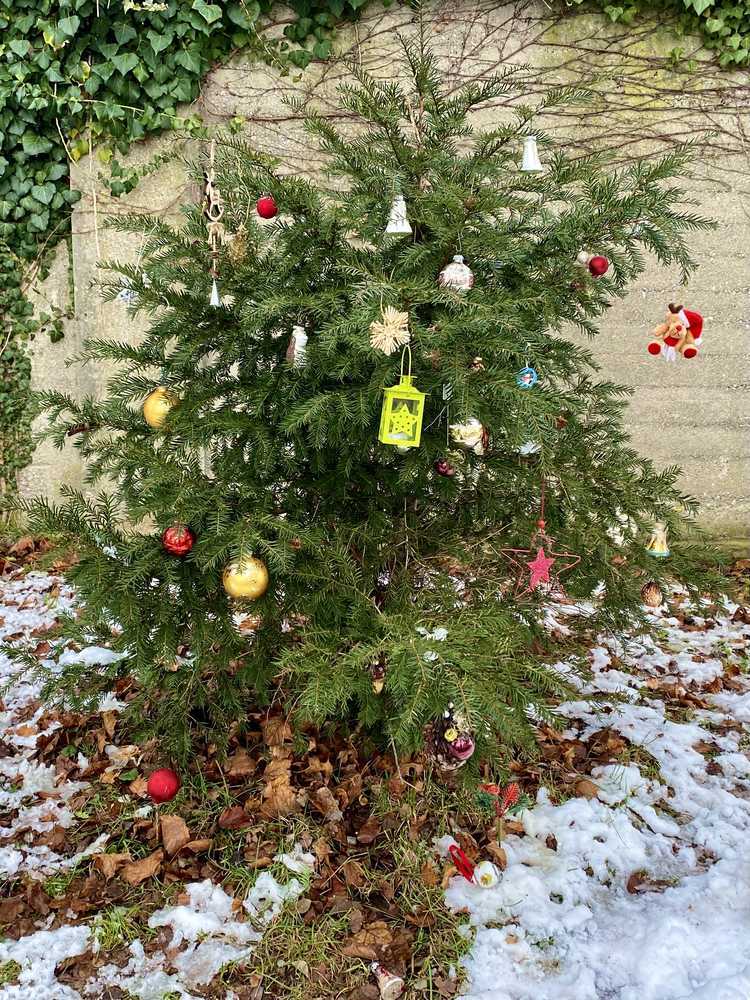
x,y
539,569
391,331
403,421
533,565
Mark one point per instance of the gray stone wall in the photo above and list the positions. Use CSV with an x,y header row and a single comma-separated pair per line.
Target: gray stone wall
x,y
650,91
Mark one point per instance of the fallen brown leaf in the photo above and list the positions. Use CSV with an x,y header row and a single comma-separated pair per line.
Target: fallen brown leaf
x,y
368,831
498,855
324,801
174,833
138,871
233,818
369,942
586,789
276,731
109,864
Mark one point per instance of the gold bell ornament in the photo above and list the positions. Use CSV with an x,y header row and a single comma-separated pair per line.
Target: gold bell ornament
x,y
657,544
398,224
157,405
403,410
245,579
530,163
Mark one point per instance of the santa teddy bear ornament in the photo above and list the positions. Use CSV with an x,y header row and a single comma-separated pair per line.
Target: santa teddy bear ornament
x,y
680,333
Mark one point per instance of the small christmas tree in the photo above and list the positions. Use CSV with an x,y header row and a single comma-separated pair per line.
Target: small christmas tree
x,y
335,485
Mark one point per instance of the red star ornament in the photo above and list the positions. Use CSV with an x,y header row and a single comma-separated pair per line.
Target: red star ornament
x,y
539,569
536,570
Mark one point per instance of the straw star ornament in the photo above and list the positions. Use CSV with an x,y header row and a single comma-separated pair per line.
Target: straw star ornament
x,y
391,331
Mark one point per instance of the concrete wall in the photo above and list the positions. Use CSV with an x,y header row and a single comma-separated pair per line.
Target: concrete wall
x,y
648,96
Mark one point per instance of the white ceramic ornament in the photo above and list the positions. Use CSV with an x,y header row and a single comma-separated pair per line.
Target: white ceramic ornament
x,y
530,162
398,224
486,874
456,275
470,435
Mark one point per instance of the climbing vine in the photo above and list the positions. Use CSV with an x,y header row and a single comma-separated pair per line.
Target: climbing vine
x,y
723,25
78,74
82,74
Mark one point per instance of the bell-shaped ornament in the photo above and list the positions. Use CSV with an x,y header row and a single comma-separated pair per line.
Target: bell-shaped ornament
x,y
215,299
457,275
530,162
398,224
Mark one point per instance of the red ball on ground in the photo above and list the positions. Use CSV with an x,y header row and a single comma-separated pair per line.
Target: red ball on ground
x,y
266,206
178,540
163,785
690,352
598,266
654,348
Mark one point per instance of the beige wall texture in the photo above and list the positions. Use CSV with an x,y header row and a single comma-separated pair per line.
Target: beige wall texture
x,y
651,91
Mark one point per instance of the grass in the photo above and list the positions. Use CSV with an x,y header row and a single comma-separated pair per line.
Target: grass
x,y
9,972
118,926
56,886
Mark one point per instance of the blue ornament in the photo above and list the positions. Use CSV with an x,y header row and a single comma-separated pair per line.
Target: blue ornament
x,y
526,378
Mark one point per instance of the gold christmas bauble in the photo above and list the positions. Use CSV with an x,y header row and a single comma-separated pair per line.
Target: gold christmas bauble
x,y
246,579
157,405
651,594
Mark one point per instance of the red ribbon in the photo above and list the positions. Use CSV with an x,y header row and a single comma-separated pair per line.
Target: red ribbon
x,y
463,865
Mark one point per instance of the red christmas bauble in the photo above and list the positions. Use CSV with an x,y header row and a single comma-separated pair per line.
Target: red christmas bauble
x,y
163,785
444,468
266,206
178,540
598,266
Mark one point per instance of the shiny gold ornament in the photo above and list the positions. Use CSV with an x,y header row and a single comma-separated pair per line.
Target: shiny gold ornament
x,y
237,245
246,579
157,405
651,594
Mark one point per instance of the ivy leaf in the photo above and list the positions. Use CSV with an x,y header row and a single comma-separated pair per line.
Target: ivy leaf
x,y
44,192
125,33
125,63
20,46
159,40
700,5
209,11
69,25
188,60
244,16
35,145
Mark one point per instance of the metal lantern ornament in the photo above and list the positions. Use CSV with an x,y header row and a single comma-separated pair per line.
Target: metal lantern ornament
x,y
403,410
457,275
530,162
398,224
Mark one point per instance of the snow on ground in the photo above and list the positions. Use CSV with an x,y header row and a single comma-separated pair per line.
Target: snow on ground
x,y
560,924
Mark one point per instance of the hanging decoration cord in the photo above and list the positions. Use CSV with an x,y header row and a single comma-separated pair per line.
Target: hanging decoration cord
x,y
213,210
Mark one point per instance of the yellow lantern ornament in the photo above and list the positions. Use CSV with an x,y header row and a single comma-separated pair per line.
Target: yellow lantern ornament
x,y
157,405
403,410
245,579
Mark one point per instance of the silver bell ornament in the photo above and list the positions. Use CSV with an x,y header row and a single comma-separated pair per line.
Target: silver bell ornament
x,y
530,162
457,275
398,224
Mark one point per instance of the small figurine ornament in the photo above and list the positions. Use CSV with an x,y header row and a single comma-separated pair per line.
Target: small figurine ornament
x,y
390,986
471,435
527,378
657,544
398,224
450,741
530,162
680,333
295,352
457,275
